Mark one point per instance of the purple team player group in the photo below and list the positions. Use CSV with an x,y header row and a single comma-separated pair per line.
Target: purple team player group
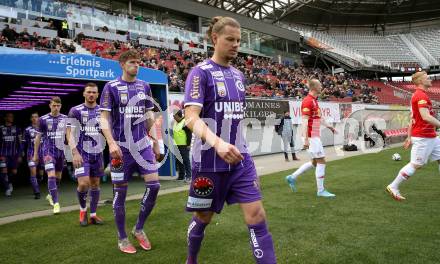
x,y
222,169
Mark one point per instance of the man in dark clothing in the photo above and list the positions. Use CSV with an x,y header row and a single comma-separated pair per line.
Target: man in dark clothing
x,y
285,130
182,138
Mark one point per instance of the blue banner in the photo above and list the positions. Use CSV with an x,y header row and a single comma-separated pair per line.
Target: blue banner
x,y
71,66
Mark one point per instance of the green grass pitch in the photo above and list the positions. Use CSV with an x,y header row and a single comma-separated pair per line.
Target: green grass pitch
x,y
362,225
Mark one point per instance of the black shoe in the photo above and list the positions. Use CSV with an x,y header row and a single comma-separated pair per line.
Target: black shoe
x,y
294,157
37,196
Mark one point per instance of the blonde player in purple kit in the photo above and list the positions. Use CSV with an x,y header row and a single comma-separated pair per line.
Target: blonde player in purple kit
x,y
222,172
10,151
86,143
126,121
52,129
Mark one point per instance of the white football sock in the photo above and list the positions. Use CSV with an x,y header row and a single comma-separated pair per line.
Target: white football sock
x,y
407,171
320,175
305,167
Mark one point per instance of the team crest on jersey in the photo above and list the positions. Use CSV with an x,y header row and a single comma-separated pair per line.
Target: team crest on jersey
x,y
203,186
49,124
84,117
221,89
124,98
13,130
239,85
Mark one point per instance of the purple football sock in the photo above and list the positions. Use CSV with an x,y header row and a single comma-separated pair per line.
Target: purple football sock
x,y
262,244
119,209
196,232
147,203
34,183
82,198
94,199
52,187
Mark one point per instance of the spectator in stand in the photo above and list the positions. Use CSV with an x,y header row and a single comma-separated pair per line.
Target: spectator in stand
x,y
9,34
50,25
24,35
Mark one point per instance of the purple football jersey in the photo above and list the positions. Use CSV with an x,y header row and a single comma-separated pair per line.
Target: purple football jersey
x,y
29,138
90,143
128,103
220,91
10,144
53,131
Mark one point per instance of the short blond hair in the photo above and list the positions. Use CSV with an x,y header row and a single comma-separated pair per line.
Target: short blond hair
x,y
416,77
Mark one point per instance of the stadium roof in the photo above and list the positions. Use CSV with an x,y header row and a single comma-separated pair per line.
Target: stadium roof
x,y
333,12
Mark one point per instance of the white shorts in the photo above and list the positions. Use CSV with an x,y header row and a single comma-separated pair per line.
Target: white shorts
x,y
424,149
316,149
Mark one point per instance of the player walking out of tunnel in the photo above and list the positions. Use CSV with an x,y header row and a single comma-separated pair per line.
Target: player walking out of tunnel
x,y
422,135
87,144
30,134
126,122
52,129
215,91
311,124
10,152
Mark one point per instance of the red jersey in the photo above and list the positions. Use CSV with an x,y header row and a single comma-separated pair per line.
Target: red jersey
x,y
421,128
310,107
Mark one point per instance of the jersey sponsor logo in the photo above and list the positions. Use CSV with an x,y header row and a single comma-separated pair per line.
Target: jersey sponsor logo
x,y
203,186
116,169
106,100
79,171
206,67
422,102
305,109
198,203
218,75
122,88
254,238
231,110
195,88
49,166
221,89
229,107
239,85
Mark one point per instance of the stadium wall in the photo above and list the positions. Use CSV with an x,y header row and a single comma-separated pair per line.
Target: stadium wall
x,y
266,113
